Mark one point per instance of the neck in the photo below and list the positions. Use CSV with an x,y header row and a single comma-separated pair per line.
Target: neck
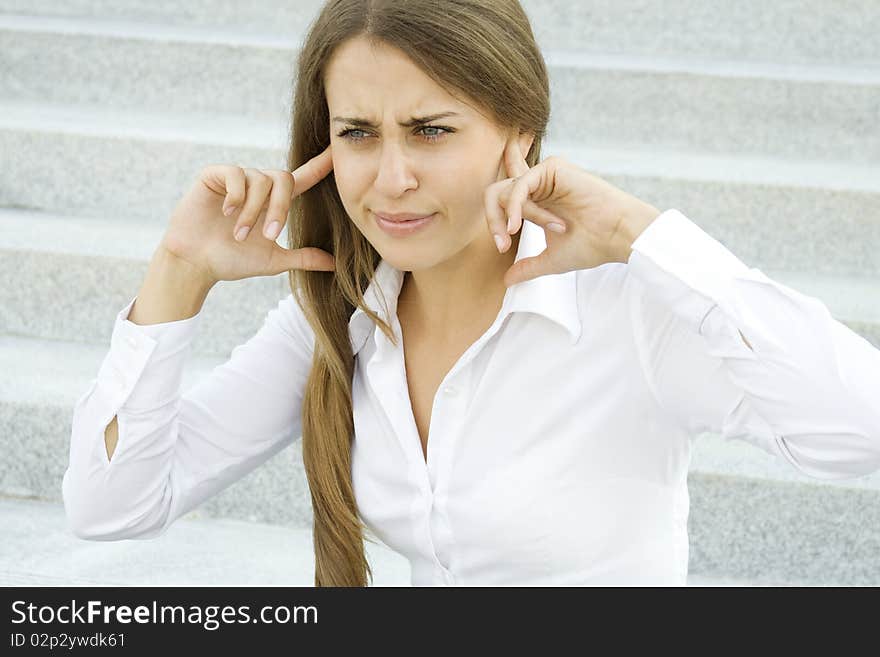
x,y
451,296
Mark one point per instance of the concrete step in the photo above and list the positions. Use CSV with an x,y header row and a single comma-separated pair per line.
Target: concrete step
x,y
793,111
808,31
38,549
814,216
809,215
103,263
754,517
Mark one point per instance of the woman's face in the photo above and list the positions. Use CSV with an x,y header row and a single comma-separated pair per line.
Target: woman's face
x,y
440,167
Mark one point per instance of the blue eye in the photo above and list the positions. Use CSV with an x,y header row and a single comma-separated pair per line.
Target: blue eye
x,y
435,136
348,133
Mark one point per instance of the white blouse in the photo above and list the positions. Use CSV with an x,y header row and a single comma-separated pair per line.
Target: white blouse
x,y
559,442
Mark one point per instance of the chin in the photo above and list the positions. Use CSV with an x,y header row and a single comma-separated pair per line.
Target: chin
x,y
404,261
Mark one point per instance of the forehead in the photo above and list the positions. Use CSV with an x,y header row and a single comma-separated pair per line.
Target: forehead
x,y
369,80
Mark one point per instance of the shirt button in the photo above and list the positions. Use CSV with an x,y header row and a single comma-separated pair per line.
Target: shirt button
x,y
450,391
132,341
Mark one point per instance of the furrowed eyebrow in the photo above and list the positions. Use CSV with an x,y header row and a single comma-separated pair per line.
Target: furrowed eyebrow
x,y
416,120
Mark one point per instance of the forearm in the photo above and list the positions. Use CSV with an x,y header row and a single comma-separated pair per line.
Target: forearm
x,y
802,384
172,290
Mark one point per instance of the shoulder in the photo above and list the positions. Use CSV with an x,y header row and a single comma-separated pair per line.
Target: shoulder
x,y
607,277
603,289
616,304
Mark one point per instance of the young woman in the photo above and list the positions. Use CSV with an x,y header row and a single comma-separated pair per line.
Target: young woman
x,y
496,363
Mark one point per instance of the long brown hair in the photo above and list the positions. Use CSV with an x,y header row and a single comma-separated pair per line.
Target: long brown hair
x,y
483,49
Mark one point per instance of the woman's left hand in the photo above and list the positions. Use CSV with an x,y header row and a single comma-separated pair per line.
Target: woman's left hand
x,y
600,221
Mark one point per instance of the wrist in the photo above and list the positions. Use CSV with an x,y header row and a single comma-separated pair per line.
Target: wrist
x,y
173,290
632,224
183,269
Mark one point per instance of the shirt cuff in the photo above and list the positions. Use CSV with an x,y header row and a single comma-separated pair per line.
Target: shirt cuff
x,y
144,366
686,267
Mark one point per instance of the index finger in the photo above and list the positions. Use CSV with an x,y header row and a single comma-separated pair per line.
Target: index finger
x,y
312,172
514,161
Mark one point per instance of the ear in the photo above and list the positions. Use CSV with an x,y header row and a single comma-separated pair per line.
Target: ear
x,y
526,140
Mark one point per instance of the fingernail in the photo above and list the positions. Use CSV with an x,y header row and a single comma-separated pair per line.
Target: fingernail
x,y
509,224
555,227
228,211
272,230
242,233
499,242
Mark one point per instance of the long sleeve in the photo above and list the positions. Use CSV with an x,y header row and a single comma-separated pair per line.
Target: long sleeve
x,y
175,450
807,389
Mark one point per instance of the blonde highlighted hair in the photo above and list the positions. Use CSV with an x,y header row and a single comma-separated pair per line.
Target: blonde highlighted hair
x,y
482,49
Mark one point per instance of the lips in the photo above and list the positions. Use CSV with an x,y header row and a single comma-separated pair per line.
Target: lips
x,y
404,228
401,217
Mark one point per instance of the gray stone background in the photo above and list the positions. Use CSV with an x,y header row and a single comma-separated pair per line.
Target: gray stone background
x,y
758,120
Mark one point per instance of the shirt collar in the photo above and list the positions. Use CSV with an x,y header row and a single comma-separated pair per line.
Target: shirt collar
x,y
554,295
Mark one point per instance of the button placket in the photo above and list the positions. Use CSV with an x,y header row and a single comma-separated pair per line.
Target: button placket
x,y
446,421
390,390
445,426
119,375
453,408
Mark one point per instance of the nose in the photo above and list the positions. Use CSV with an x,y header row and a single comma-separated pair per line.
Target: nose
x,y
395,174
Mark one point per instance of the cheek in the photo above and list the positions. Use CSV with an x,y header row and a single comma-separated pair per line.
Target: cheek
x,y
349,184
460,181
345,175
467,188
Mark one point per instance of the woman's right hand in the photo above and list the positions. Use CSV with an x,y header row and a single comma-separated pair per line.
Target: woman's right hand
x,y
202,234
